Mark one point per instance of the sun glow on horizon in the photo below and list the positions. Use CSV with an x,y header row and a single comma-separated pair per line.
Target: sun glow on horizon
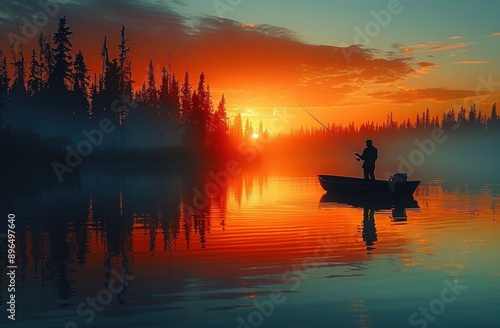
x,y
255,136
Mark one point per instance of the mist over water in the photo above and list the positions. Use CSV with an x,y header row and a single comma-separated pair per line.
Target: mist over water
x,y
467,156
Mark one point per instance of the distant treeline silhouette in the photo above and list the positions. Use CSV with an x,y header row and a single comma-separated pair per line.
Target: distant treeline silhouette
x,y
457,144
59,82
54,95
48,102
465,121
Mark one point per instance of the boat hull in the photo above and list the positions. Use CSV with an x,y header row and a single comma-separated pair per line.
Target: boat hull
x,y
356,187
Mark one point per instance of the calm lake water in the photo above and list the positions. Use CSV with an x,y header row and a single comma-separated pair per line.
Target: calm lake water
x,y
115,250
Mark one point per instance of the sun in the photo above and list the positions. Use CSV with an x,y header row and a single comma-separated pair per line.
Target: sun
x,y
255,136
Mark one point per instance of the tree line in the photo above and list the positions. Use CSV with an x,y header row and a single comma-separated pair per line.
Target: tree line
x,y
471,120
58,80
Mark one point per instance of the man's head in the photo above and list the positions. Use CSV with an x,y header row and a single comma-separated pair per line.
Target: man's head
x,y
369,142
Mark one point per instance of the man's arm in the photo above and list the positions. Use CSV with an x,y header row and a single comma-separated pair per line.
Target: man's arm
x,y
363,156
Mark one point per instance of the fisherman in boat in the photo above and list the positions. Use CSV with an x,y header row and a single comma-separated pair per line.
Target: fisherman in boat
x,y
369,157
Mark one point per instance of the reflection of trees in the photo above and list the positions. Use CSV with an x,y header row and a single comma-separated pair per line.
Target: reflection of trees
x,y
245,182
111,217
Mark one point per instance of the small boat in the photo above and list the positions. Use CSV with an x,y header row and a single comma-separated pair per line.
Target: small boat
x,y
397,187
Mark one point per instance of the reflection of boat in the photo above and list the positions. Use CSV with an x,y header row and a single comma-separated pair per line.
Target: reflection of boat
x,y
370,206
369,202
396,206
378,189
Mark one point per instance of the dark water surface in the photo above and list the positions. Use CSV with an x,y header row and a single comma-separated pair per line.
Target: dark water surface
x,y
267,251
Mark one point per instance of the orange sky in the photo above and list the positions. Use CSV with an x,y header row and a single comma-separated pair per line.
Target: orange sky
x,y
266,60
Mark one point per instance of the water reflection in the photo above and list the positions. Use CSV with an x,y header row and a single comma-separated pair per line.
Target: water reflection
x,y
370,207
204,254
107,220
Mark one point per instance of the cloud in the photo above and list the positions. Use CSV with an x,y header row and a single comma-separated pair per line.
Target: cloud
x,y
425,66
234,55
428,46
429,94
248,56
421,47
407,50
216,24
244,61
455,37
250,112
496,34
472,62
452,46
12,11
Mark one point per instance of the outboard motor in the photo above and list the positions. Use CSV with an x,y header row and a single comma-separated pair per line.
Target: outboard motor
x,y
399,178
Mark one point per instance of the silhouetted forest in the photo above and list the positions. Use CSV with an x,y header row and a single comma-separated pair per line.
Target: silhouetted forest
x,y
458,144
51,105
49,100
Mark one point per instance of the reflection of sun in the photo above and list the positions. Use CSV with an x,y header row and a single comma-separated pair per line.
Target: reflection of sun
x,y
255,135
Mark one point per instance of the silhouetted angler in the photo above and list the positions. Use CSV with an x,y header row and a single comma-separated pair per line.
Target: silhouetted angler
x,y
369,157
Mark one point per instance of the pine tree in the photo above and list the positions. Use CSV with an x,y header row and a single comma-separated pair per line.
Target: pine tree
x,y
111,86
4,78
237,128
167,107
202,114
49,60
95,98
61,75
427,121
125,64
260,132
201,87
34,77
473,117
418,123
143,93
462,117
18,88
494,120
248,130
152,92
164,88
105,63
174,93
191,134
208,114
220,120
104,56
81,82
186,107
44,55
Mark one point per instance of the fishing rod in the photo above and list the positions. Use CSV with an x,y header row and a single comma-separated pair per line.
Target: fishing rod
x,y
327,129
